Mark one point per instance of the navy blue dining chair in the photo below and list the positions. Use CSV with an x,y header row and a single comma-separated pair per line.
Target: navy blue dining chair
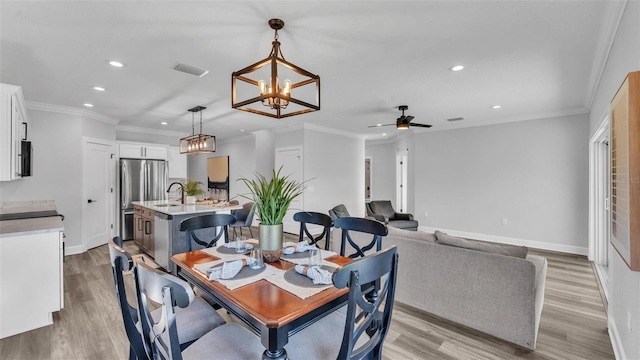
x,y
218,223
314,218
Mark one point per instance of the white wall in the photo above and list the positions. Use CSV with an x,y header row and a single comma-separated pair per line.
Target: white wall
x,y
624,295
335,163
265,152
242,160
383,176
57,146
532,173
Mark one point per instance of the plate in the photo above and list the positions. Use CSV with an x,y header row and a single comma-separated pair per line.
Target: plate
x,y
292,277
247,272
230,251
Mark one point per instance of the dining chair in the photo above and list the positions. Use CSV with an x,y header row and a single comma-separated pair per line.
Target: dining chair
x,y
375,228
193,321
230,341
218,222
366,323
315,218
244,218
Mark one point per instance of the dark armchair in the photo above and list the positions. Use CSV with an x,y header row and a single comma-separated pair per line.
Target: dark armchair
x,y
383,211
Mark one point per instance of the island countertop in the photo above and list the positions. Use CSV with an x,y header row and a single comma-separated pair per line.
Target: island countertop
x,y
176,208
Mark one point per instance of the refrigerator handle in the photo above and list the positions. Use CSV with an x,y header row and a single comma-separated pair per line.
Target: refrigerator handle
x,y
165,196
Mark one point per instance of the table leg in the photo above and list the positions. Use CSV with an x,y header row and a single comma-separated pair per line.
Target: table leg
x,y
274,341
280,354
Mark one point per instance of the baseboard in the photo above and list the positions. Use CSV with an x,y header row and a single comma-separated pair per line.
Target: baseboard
x,y
618,350
578,250
73,250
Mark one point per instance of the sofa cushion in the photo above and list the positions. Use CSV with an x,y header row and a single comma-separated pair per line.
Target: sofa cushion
x,y
501,249
404,224
383,207
414,235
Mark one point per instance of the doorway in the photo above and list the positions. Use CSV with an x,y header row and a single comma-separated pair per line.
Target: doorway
x,y
291,161
599,217
98,199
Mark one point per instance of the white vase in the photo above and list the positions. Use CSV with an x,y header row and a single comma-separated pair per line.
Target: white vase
x,y
191,200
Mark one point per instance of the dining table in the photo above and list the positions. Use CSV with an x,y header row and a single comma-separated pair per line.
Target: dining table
x,y
268,310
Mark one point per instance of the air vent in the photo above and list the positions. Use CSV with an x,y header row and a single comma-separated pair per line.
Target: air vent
x,y
456,119
191,70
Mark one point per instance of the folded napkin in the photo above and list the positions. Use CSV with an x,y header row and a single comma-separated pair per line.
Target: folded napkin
x,y
315,273
302,246
227,270
234,244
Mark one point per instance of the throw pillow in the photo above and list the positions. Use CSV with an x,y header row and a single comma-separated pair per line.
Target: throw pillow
x,y
501,249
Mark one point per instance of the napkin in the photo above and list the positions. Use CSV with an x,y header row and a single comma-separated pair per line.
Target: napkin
x,y
234,244
302,246
315,273
227,270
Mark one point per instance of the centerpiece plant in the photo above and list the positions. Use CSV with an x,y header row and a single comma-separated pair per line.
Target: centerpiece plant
x,y
271,198
192,189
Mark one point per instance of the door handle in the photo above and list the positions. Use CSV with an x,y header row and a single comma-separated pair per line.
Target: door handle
x,y
25,130
91,201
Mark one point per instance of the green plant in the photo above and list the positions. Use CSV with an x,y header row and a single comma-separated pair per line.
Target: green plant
x,y
192,188
272,197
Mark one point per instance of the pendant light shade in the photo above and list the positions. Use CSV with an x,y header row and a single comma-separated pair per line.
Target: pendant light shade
x,y
197,144
273,94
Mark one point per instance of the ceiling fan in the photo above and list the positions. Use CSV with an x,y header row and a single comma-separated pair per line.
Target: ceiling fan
x,y
404,121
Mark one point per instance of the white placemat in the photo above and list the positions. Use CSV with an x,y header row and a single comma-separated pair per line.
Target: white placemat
x,y
233,284
278,280
213,251
305,260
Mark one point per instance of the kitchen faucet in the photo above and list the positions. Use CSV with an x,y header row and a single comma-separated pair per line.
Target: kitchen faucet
x,y
181,189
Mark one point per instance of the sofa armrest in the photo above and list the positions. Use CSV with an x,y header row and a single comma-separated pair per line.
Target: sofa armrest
x,y
402,216
380,218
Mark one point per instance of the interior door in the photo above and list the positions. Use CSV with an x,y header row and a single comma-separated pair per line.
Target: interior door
x,y
98,184
290,159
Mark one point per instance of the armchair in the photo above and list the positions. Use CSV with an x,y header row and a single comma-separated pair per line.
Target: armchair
x,y
383,211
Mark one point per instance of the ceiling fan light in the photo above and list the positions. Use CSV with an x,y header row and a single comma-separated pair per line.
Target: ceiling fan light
x,y
402,126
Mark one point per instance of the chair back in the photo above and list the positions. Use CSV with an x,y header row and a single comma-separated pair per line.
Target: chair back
x,y
244,216
338,211
121,262
305,217
169,291
375,228
213,221
363,314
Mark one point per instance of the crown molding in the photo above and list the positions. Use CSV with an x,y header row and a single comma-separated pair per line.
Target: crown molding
x,y
136,129
603,49
33,105
324,129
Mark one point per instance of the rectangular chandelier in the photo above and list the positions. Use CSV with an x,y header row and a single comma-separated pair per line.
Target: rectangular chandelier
x,y
272,98
197,144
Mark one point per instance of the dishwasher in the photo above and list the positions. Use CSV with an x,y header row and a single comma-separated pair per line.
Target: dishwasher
x,y
162,227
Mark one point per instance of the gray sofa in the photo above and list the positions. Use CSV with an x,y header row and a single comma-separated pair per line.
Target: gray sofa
x,y
484,286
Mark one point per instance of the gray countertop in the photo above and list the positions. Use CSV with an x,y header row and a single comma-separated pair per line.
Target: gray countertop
x,y
176,208
29,226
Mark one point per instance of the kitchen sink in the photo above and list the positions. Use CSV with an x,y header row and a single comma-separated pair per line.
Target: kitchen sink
x,y
166,205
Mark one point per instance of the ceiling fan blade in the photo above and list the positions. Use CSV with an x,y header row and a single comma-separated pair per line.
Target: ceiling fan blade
x,y
374,126
408,118
420,125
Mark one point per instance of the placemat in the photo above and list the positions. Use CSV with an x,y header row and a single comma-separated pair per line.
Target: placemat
x,y
303,257
223,252
237,282
294,278
278,280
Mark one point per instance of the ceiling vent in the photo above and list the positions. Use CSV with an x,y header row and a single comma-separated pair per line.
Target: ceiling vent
x,y
191,70
456,119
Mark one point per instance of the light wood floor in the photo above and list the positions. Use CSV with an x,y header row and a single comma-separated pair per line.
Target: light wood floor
x,y
573,324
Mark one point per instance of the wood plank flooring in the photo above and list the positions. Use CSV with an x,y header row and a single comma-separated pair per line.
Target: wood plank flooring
x,y
573,325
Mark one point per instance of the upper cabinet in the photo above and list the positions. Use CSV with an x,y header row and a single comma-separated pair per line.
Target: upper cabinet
x,y
141,151
625,171
177,163
14,129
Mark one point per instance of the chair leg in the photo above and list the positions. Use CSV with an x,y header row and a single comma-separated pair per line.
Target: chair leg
x,y
235,235
250,231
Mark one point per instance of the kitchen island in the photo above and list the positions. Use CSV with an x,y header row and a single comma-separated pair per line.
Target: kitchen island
x,y
31,255
157,227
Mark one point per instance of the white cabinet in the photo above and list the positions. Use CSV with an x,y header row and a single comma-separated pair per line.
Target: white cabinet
x,y
14,125
140,151
31,281
177,163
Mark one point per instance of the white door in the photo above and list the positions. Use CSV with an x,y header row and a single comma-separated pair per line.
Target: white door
x,y
98,201
290,159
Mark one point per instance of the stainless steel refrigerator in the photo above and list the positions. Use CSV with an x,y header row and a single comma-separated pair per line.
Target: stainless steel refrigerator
x,y
140,180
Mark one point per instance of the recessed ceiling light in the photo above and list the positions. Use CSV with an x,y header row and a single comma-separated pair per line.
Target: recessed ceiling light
x,y
88,105
496,107
242,130
98,88
384,134
456,68
163,123
115,63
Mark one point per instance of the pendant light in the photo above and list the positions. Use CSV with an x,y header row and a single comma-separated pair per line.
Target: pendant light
x,y
197,144
275,97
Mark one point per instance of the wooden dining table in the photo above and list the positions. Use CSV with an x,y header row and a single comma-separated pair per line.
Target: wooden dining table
x,y
269,311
